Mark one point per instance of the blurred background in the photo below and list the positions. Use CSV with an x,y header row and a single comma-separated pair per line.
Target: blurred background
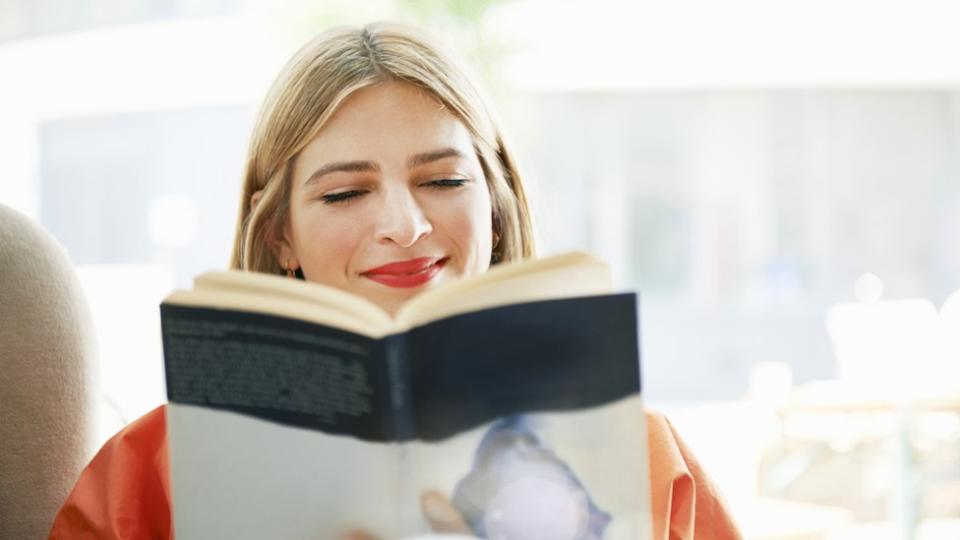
x,y
779,180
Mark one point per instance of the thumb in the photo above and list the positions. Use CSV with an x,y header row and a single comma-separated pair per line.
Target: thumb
x,y
440,513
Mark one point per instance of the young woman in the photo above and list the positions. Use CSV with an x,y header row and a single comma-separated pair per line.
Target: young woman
x,y
374,167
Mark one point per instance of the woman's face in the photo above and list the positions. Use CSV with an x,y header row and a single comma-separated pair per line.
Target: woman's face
x,y
389,199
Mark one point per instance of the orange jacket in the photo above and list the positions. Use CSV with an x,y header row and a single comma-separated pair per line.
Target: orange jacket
x,y
124,493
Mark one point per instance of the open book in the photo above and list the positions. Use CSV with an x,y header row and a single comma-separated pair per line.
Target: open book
x,y
300,411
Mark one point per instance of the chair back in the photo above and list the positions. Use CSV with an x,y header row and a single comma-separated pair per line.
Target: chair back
x,y
47,374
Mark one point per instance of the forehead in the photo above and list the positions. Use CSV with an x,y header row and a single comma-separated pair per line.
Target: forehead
x,y
386,121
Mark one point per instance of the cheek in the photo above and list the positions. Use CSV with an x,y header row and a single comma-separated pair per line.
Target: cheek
x,y
325,246
469,225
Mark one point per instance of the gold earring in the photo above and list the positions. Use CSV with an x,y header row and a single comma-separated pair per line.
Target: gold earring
x,y
287,269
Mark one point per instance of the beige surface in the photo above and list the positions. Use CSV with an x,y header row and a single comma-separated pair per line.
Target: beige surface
x,y
46,366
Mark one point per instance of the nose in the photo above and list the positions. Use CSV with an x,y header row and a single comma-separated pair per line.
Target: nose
x,y
402,220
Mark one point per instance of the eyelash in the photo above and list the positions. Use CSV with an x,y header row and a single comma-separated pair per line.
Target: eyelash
x,y
344,196
349,196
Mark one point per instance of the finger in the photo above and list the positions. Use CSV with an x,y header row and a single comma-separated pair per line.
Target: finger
x,y
442,516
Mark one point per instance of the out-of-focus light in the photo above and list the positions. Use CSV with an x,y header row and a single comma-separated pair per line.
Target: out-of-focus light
x,y
771,382
123,302
173,221
950,312
620,45
868,288
950,325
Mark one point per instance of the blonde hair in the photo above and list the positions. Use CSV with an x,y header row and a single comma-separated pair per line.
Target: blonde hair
x,y
319,77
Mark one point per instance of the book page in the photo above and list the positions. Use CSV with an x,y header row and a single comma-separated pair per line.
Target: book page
x,y
320,309
561,276
272,288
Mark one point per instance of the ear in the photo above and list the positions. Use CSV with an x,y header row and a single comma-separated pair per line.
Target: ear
x,y
281,245
283,248
255,199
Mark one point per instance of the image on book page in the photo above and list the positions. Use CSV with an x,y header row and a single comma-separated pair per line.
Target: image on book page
x,y
578,475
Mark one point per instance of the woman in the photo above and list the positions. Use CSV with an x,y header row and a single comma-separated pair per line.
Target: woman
x,y
374,167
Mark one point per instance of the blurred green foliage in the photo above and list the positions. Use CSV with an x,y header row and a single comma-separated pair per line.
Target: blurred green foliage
x,y
471,10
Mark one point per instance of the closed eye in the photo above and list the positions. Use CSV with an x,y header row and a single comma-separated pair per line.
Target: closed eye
x,y
342,196
446,183
346,196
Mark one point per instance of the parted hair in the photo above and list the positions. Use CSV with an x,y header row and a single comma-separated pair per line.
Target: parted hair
x,y
310,88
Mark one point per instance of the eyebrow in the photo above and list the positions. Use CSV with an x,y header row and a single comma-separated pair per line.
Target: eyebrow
x,y
434,155
341,166
415,160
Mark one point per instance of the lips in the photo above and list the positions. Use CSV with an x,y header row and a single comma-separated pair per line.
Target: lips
x,y
410,273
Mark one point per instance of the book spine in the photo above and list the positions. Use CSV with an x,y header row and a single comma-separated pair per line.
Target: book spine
x,y
399,394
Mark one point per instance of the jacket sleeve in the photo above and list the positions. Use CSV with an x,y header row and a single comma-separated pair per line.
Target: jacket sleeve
x,y
684,501
124,492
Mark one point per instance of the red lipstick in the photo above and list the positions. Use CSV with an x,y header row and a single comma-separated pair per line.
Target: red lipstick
x,y
412,273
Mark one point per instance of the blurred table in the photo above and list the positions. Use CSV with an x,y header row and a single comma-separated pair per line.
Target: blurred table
x,y
900,407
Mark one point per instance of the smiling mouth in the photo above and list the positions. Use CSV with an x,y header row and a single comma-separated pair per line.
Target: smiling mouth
x,y
406,274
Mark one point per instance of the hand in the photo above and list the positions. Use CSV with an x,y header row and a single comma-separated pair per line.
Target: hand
x,y
439,512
